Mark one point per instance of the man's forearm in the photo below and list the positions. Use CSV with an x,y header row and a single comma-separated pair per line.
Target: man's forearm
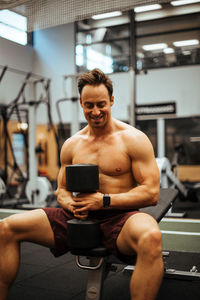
x,y
64,198
138,197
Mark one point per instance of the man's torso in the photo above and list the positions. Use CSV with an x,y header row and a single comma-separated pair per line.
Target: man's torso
x,y
110,154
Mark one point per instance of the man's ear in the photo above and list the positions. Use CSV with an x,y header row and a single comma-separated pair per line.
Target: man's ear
x,y
111,100
81,103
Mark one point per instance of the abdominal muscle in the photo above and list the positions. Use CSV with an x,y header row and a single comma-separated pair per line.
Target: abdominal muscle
x,y
116,184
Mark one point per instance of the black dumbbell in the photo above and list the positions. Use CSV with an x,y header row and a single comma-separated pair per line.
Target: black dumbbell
x,y
82,234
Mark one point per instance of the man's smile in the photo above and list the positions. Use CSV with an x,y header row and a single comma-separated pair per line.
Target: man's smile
x,y
96,118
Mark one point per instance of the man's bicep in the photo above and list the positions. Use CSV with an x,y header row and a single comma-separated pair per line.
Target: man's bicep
x,y
144,166
145,171
65,159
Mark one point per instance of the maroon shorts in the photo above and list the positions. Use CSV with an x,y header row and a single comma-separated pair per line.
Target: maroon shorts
x,y
111,223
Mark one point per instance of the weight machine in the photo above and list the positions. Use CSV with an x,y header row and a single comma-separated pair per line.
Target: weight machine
x,y
168,177
37,189
70,94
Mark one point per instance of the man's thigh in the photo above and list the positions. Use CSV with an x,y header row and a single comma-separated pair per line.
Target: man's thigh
x,y
31,226
133,229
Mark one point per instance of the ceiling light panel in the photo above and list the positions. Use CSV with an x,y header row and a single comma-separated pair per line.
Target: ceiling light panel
x,y
184,2
107,15
186,43
168,50
147,8
152,47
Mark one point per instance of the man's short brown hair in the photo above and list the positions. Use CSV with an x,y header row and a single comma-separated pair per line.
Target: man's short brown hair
x,y
95,77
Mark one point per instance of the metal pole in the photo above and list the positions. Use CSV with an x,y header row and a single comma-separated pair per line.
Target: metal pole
x,y
133,67
75,105
161,137
32,145
132,85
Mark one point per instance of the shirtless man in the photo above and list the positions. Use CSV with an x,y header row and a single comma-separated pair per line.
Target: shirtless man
x,y
128,173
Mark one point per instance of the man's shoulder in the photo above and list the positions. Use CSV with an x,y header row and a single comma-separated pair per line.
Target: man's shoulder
x,y
133,139
74,139
70,146
126,130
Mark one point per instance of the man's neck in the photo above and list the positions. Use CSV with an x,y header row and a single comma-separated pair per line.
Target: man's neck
x,y
102,131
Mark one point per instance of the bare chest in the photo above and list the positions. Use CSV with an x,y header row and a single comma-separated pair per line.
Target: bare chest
x,y
110,156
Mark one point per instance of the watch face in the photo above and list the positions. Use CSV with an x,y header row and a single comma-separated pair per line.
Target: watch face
x,y
106,200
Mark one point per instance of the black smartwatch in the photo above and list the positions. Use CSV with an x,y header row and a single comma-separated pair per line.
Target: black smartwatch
x,y
106,200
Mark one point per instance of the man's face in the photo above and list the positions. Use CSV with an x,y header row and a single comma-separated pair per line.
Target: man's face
x,y
96,104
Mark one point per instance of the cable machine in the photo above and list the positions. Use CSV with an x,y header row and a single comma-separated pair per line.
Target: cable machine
x,y
37,189
72,96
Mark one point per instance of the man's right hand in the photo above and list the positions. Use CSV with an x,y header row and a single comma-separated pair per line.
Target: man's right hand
x,y
72,209
82,215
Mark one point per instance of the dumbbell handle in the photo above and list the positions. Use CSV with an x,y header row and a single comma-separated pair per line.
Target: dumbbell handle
x,y
75,194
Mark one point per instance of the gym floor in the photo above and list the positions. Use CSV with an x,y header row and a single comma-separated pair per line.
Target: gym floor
x,y
42,277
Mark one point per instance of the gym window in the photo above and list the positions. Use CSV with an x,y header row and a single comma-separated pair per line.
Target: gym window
x,y
104,45
162,39
13,27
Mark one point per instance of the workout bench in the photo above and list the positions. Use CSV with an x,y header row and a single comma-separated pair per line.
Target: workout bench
x,y
100,260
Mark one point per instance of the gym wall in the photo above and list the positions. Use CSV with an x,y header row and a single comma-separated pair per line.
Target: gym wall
x,y
53,58
179,84
15,56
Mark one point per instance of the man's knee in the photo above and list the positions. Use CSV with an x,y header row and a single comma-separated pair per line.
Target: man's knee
x,y
6,230
150,244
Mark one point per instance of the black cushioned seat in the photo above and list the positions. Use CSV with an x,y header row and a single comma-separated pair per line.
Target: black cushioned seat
x,y
166,198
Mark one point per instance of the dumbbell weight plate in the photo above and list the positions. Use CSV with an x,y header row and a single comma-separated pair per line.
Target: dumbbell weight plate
x,y
83,234
82,178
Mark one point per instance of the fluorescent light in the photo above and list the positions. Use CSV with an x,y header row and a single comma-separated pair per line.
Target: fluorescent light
x,y
186,52
168,50
151,47
183,2
185,43
107,15
147,8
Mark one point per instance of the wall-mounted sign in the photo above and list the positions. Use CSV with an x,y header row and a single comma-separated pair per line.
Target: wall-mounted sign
x,y
156,109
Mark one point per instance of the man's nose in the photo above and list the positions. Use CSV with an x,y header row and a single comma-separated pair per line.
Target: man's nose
x,y
96,110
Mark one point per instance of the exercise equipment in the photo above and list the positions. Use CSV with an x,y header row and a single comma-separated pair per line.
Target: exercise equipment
x,y
82,178
70,95
191,189
2,187
38,194
168,178
37,189
101,262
